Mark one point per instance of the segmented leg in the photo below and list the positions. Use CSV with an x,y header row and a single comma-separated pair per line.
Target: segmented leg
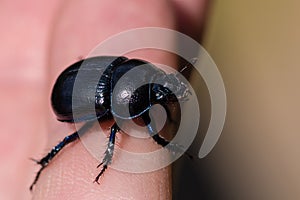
x,y
172,147
67,140
108,154
152,132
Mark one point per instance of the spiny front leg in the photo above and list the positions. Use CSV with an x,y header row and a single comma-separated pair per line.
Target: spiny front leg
x,y
152,131
67,140
108,154
172,147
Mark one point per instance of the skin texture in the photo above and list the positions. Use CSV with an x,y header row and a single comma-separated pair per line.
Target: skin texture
x,y
41,40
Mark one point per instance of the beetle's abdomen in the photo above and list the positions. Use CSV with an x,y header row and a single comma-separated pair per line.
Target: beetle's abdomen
x,y
61,97
81,92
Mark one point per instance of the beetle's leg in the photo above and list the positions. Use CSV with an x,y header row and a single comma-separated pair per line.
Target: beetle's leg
x,y
67,140
152,131
108,154
172,147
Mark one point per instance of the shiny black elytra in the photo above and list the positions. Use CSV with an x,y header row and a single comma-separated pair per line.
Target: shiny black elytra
x,y
104,94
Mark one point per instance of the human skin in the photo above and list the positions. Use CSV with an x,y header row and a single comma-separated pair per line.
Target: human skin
x,y
44,39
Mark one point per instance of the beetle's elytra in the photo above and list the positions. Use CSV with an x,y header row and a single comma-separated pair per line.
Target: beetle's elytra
x,y
108,98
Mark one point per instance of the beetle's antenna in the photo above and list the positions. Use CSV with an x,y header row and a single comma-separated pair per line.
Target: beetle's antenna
x,y
192,62
184,68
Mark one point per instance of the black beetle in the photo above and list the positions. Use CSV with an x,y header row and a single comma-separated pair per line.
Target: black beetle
x,y
109,101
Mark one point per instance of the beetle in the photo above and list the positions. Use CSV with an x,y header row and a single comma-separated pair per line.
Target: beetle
x,y
108,101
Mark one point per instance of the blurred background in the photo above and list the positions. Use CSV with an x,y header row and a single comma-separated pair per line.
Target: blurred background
x,y
255,45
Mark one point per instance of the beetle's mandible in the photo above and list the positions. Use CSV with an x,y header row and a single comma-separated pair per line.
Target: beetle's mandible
x,y
109,101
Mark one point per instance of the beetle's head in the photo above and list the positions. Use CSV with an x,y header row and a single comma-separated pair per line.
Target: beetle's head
x,y
176,84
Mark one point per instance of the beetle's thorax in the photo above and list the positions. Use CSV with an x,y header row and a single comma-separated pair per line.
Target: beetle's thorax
x,y
174,85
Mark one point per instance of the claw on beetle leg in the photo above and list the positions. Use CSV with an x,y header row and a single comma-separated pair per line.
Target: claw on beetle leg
x,y
108,154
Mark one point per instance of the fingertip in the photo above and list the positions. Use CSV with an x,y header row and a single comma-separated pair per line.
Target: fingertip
x,y
71,174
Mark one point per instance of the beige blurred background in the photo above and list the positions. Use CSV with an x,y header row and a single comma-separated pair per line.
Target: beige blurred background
x,y
256,46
